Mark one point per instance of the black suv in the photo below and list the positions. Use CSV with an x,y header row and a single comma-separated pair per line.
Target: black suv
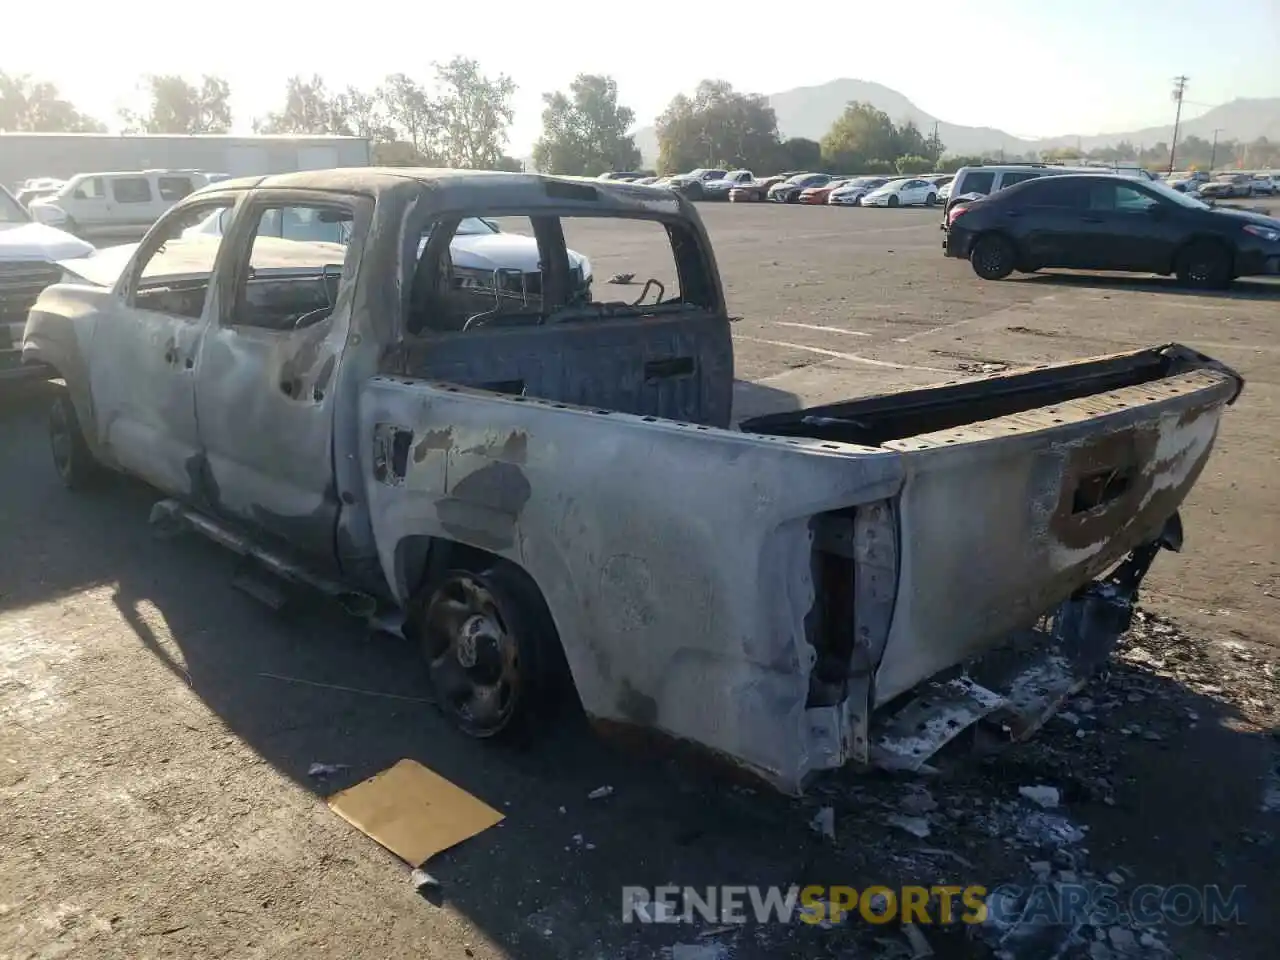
x,y
1100,222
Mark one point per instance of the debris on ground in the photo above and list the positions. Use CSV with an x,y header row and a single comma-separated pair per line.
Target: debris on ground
x,y
599,793
824,823
413,811
623,278
325,769
916,826
1045,797
421,879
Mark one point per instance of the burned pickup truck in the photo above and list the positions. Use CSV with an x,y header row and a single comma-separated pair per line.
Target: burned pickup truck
x,y
546,484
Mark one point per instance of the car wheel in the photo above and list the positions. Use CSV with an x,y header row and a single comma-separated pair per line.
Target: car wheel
x,y
857,201
930,200
893,201
1204,265
72,459
993,257
491,649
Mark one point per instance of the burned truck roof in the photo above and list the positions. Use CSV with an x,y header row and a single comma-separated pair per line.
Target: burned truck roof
x,y
467,188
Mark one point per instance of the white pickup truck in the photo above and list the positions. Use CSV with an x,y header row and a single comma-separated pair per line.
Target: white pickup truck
x,y
552,490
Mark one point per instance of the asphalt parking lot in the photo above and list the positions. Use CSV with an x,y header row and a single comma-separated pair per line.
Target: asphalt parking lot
x,y
158,725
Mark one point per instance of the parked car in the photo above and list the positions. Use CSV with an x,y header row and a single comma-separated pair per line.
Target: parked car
x,y
719,189
691,184
118,205
1228,185
851,192
1262,185
820,194
754,191
37,187
336,416
29,257
789,190
1100,222
906,192
988,178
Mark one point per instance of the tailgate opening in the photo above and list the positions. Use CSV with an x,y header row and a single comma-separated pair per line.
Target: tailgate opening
x,y
876,420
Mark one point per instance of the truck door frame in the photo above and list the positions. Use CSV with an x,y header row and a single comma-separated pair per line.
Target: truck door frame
x,y
266,398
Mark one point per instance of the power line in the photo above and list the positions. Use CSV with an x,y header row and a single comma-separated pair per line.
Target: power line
x,y
1179,88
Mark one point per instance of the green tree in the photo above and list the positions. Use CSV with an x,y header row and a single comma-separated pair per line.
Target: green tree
x,y
412,115
954,163
474,113
860,134
585,131
910,166
176,106
308,108
799,153
908,141
717,126
31,106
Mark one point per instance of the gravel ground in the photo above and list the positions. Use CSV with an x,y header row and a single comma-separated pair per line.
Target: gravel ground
x,y
153,766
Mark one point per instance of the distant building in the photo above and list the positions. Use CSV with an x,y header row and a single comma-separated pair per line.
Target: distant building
x,y
26,155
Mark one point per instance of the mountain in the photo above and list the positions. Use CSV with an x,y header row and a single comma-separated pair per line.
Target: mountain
x,y
810,111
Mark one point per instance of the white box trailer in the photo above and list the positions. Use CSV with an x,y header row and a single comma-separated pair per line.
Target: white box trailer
x,y
62,155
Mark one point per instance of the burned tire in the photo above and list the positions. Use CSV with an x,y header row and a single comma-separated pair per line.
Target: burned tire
x,y
1204,265
491,648
72,459
993,257
893,201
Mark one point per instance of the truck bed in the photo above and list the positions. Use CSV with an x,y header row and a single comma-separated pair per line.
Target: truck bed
x,y
762,591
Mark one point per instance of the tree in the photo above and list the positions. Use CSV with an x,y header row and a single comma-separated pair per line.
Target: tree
x,y
411,113
952,164
860,134
363,114
799,153
585,131
474,112
176,106
308,108
908,141
911,165
717,126
37,107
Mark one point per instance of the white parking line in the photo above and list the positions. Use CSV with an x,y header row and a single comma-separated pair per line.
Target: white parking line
x,y
818,326
836,354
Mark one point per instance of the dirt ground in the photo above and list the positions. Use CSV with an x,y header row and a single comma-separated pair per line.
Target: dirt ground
x,y
156,730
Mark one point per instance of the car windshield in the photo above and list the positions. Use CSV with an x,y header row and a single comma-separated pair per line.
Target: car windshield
x,y
697,172
472,226
799,178
714,175
10,210
1178,197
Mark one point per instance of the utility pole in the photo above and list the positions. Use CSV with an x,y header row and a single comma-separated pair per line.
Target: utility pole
x,y
935,143
1213,154
1179,88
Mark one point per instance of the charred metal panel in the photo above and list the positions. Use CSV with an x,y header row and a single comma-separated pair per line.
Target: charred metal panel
x,y
678,367
992,531
675,558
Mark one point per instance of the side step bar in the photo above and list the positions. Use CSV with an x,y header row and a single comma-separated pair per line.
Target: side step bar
x,y
170,518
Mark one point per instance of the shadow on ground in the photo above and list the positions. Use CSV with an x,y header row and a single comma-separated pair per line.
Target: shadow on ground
x,y
548,884
1245,289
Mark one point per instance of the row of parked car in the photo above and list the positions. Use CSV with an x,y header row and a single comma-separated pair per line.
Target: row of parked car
x,y
797,186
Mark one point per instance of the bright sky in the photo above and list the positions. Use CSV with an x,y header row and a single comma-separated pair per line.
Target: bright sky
x,y
1029,67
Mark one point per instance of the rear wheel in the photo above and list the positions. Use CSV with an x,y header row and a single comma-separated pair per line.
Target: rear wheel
x,y
930,200
491,649
74,463
1204,265
893,201
993,257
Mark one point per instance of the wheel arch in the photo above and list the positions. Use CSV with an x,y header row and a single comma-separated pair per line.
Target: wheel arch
x,y
1207,237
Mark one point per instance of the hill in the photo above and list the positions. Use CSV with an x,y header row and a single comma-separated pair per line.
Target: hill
x,y
810,111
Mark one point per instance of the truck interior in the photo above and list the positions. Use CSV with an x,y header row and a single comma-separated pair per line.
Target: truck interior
x,y
652,339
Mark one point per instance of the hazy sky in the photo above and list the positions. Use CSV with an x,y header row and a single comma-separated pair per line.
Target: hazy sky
x,y
1028,67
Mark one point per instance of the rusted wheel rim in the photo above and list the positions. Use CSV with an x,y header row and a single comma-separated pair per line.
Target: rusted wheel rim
x,y
60,442
473,655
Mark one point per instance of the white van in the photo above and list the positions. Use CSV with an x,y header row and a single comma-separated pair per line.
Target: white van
x,y
117,205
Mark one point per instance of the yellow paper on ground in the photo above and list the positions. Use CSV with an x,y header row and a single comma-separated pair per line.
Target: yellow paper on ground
x,y
413,812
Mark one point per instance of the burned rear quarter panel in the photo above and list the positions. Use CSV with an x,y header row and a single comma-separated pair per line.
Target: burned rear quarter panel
x,y
674,558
